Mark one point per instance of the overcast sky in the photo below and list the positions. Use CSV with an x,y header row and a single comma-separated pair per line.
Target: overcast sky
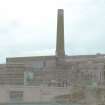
x,y
28,27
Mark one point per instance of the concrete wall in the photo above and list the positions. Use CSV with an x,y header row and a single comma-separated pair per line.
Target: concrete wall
x,y
32,93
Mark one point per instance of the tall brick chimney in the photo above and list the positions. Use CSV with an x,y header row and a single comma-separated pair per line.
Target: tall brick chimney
x,y
60,50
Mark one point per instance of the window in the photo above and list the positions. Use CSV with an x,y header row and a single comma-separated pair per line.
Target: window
x,y
28,77
100,75
16,96
104,75
37,65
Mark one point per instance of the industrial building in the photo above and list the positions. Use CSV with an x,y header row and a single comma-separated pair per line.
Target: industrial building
x,y
41,78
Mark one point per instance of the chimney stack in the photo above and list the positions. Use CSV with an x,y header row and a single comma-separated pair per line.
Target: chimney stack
x,y
60,51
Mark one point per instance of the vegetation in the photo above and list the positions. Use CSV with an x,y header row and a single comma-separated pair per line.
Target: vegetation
x,y
87,92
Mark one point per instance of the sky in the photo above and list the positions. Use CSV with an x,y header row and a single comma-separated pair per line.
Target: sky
x,y
28,27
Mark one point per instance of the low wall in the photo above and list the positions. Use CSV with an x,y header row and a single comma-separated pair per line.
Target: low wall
x,y
32,93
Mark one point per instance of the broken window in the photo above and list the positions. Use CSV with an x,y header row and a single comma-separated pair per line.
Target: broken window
x,y
28,77
16,96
